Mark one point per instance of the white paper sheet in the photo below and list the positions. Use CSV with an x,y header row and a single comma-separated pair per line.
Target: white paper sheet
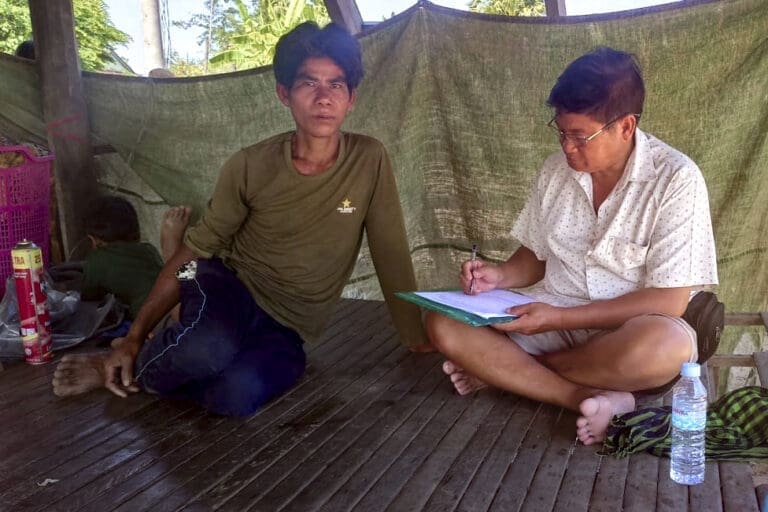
x,y
487,305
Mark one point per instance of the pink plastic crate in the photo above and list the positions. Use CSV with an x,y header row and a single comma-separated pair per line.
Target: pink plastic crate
x,y
24,206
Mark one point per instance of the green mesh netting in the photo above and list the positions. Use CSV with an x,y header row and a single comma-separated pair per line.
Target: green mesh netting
x,y
459,100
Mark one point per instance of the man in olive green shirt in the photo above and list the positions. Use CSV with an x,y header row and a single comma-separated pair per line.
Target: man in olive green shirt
x,y
261,272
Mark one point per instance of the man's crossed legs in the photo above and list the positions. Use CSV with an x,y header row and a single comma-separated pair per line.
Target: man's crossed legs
x,y
595,378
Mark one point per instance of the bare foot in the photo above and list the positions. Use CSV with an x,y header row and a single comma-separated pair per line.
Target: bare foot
x,y
597,413
175,222
77,374
462,381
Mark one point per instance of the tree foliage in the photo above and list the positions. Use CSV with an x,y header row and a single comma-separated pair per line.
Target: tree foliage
x,y
215,26
95,34
185,66
244,36
15,25
509,7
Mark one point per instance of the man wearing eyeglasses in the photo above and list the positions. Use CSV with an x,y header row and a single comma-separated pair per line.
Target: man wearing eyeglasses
x,y
615,237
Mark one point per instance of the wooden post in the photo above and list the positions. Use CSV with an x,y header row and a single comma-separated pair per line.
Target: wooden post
x,y
65,114
153,35
555,8
346,14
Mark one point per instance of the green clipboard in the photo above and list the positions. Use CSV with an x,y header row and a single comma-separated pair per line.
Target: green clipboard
x,y
454,312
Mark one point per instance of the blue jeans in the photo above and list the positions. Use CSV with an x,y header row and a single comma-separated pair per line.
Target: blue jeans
x,y
225,353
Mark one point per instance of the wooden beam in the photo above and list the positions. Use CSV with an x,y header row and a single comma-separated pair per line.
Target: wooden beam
x,y
346,14
745,319
757,360
729,360
555,8
65,114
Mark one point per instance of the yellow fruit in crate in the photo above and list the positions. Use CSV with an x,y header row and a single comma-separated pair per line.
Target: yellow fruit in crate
x,y
11,159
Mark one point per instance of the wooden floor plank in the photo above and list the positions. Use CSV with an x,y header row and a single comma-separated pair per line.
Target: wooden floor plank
x,y
370,427
181,435
161,435
738,490
347,314
516,483
23,394
339,468
641,485
608,494
35,426
378,405
353,332
58,414
15,372
707,495
72,458
277,441
388,485
23,411
356,397
184,480
419,488
671,496
96,411
578,483
128,481
457,479
548,479
491,476
380,462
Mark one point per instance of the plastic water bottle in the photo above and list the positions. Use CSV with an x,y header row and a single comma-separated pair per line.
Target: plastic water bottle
x,y
689,418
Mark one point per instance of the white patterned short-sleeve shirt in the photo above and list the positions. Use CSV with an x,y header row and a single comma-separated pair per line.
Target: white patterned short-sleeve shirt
x,y
652,231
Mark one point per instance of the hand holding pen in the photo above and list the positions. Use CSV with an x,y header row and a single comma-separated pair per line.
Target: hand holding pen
x,y
472,270
478,276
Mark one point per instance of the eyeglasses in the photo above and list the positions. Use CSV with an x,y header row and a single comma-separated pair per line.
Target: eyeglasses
x,y
579,140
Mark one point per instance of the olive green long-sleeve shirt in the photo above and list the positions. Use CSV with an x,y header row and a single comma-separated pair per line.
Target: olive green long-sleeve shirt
x,y
293,240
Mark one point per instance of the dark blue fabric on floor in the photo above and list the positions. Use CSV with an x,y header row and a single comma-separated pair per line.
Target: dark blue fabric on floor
x,y
225,353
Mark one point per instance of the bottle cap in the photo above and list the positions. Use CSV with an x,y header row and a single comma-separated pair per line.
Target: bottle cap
x,y
691,370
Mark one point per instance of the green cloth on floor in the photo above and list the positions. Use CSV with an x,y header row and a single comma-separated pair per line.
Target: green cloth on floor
x,y
737,428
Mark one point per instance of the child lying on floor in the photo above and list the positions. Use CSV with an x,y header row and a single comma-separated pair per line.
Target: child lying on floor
x,y
120,263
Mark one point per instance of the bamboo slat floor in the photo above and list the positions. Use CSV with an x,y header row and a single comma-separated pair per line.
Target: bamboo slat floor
x,y
370,427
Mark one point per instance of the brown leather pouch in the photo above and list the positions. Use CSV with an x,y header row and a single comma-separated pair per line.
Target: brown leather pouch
x,y
706,315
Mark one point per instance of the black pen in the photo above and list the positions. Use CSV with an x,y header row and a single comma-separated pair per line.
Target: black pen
x,y
472,281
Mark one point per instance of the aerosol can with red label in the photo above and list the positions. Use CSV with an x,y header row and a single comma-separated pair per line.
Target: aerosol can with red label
x,y
34,318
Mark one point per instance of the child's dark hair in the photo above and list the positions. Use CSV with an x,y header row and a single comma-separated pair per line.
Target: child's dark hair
x,y
604,83
26,49
113,219
308,40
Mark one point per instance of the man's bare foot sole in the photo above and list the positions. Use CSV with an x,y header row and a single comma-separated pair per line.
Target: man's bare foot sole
x,y
462,381
77,374
596,414
175,222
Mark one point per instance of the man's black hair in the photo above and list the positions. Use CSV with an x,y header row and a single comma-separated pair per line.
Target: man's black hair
x,y
26,49
308,40
113,219
604,84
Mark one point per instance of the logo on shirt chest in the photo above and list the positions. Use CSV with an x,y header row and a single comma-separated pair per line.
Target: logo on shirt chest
x,y
346,207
